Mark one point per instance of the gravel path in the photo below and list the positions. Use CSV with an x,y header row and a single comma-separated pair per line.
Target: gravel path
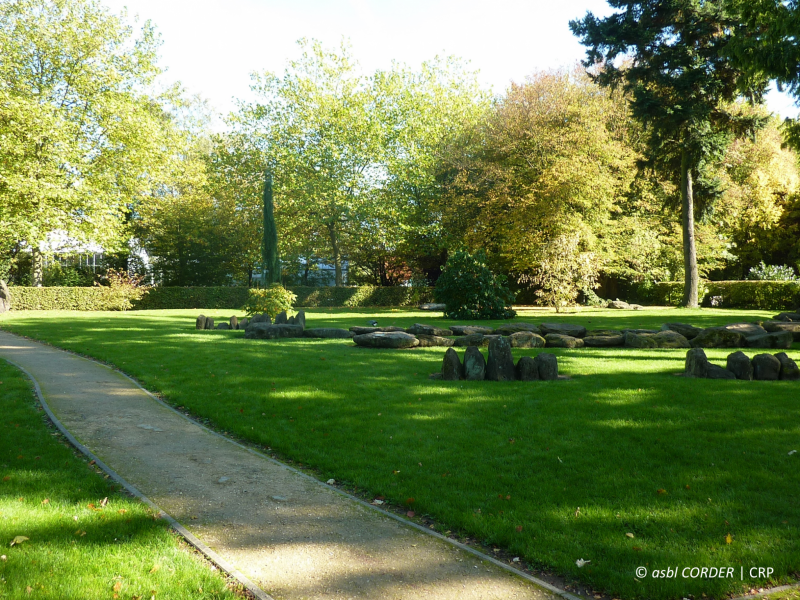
x,y
295,537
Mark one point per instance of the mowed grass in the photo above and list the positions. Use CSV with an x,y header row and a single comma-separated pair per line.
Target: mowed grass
x,y
77,548
552,472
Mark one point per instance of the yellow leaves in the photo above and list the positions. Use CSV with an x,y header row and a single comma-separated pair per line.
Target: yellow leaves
x,y
154,569
728,539
117,586
18,540
661,492
80,533
630,535
46,501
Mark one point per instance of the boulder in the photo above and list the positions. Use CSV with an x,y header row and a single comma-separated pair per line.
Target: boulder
x,y
576,331
603,332
526,369
639,340
364,330
641,331
386,339
5,297
300,319
200,323
258,319
243,324
471,329
789,370
526,339
282,318
547,366
265,331
739,364
696,363
780,339
474,365
290,321
719,337
717,372
452,369
604,341
209,323
223,326
671,339
234,322
510,328
419,328
787,316
556,340
688,331
430,341
327,333
775,327
766,367
748,330
500,366
473,339
433,307
619,305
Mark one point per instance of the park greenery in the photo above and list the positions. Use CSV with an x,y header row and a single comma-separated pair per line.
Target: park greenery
x,y
657,162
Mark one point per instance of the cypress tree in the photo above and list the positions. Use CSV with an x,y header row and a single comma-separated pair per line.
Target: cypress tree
x,y
269,250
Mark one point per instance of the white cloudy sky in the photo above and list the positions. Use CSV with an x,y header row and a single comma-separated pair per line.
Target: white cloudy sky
x,y
212,46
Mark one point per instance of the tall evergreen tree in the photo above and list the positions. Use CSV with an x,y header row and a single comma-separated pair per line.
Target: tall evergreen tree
x,y
681,85
269,250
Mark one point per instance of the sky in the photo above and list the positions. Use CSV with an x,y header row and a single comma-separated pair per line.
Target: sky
x,y
212,46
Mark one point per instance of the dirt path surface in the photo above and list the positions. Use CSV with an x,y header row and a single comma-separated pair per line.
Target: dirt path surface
x,y
294,537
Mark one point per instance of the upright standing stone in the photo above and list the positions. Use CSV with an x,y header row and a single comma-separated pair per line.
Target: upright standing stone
x,y
5,297
740,365
452,369
474,365
696,363
527,369
547,365
257,319
789,370
281,318
200,323
290,321
766,367
500,366
265,318
234,322
209,323
300,319
244,323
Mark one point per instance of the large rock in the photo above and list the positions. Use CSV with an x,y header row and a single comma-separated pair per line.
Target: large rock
x,y
452,369
576,331
766,367
641,331
696,363
364,330
603,333
5,297
780,339
719,337
300,319
265,331
671,339
748,330
619,305
234,322
432,306
717,372
290,321
281,318
225,326
640,340
209,323
473,339
526,339
431,341
471,329
500,366
547,366
688,331
789,370
510,328
327,333
386,339
200,323
739,364
420,328
604,341
243,324
556,340
527,369
775,327
787,316
262,318
474,365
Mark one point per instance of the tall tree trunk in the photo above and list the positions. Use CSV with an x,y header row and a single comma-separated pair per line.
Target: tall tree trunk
x,y
37,269
337,257
269,249
691,277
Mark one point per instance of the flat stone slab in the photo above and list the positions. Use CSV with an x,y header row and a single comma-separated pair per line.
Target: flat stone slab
x,y
364,330
556,340
433,341
420,328
264,331
776,326
604,341
576,331
386,339
471,329
509,328
328,333
719,337
688,331
433,306
293,536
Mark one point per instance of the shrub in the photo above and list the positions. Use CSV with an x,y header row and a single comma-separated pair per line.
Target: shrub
x,y
271,300
122,289
361,296
470,290
193,297
764,272
763,295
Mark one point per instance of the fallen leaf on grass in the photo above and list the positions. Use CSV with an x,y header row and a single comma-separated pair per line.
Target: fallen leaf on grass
x,y
792,452
519,527
661,491
46,501
3,558
377,502
7,478
410,514
28,590
122,511
728,539
330,481
580,562
155,569
104,502
515,559
630,535
18,540
118,586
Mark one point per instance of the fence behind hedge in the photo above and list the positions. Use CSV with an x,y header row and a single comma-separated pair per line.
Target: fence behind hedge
x,y
764,295
93,298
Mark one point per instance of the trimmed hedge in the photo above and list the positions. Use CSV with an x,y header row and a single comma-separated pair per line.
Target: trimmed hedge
x,y
763,295
234,298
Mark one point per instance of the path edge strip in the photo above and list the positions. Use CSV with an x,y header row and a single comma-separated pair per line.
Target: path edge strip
x,y
210,554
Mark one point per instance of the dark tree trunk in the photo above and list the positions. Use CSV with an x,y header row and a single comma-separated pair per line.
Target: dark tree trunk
x,y
691,277
37,269
337,257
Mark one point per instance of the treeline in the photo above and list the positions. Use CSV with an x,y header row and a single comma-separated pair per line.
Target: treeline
x,y
564,180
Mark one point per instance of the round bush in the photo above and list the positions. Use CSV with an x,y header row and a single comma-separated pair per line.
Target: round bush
x,y
469,290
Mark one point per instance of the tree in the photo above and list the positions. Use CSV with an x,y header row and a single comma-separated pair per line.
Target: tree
x,y
79,132
681,85
272,264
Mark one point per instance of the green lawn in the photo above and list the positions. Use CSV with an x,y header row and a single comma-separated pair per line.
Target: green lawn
x,y
549,471
77,548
